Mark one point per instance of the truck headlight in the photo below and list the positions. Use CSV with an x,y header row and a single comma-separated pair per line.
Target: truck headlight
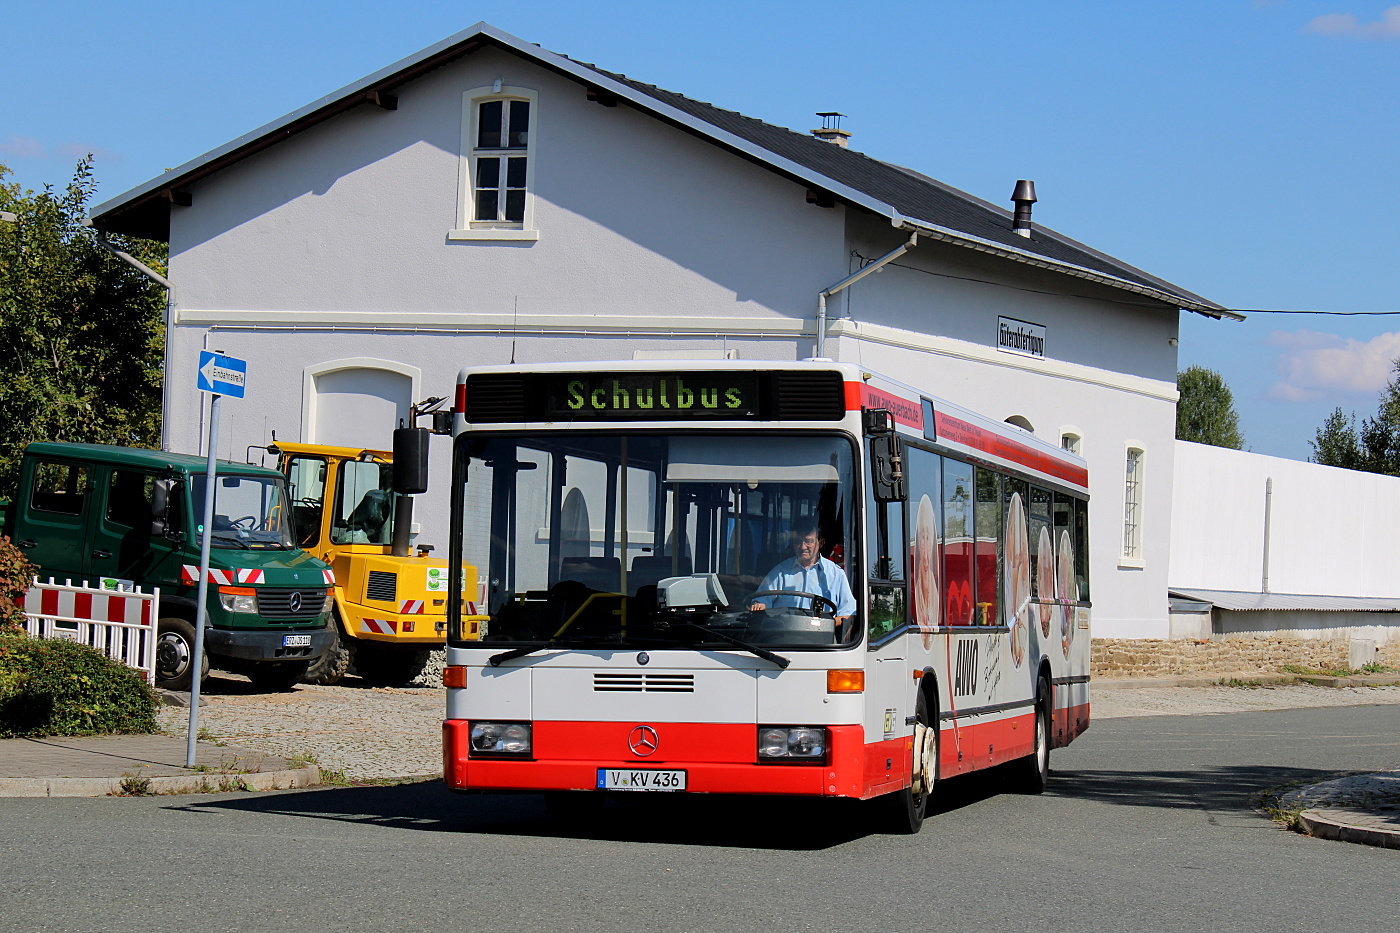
x,y
238,599
792,743
501,738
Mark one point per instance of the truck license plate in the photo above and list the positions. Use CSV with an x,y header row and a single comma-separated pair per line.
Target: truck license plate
x,y
296,641
640,779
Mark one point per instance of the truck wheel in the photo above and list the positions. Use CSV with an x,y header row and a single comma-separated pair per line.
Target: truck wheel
x,y
276,676
331,666
175,654
389,665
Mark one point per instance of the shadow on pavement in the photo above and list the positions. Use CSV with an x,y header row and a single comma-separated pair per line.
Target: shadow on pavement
x,y
1236,787
784,824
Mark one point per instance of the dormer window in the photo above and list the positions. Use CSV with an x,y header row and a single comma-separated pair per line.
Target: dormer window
x,y
498,129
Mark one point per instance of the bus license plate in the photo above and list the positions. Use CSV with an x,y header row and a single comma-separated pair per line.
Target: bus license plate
x,y
640,779
296,641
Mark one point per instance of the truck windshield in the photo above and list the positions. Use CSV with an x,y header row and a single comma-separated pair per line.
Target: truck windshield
x,y
250,512
687,540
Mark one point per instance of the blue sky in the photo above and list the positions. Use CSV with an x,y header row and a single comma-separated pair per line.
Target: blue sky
x,y
1244,149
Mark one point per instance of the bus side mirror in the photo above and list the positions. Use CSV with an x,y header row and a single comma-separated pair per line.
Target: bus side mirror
x,y
410,461
887,468
160,506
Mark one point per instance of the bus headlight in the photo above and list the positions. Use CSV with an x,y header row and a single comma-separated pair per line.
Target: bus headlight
x,y
792,743
501,738
238,598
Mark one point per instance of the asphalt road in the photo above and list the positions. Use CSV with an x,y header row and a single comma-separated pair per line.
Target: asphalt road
x,y
1148,825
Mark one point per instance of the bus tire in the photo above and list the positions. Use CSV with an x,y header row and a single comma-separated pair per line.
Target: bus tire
x,y
389,665
330,667
1030,774
175,654
276,676
903,811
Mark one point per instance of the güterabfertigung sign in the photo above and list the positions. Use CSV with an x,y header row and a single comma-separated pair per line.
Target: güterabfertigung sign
x,y
1021,337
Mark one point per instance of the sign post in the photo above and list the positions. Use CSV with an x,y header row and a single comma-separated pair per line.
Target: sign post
x,y
219,375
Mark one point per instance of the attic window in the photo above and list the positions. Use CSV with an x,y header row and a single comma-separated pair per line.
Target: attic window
x,y
498,126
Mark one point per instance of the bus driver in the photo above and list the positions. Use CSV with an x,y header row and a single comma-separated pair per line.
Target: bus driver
x,y
808,572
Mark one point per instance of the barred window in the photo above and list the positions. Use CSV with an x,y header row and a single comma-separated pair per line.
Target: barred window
x,y
1132,505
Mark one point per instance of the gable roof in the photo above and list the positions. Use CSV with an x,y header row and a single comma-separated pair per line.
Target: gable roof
x,y
909,200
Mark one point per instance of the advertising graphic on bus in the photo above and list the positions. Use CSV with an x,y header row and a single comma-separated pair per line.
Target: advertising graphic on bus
x,y
757,578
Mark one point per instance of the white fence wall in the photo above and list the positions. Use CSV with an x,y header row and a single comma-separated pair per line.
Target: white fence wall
x,y
1332,532
119,623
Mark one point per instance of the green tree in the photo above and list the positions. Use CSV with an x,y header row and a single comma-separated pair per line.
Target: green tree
x,y
1374,447
81,332
1205,413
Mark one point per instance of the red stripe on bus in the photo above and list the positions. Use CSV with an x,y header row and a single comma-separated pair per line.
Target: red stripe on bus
x,y
903,410
853,395
460,404
970,435
964,748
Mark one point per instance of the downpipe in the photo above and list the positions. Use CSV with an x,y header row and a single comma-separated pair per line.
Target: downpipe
x,y
852,279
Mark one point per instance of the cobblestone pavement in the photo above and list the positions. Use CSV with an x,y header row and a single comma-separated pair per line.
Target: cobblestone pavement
x,y
370,733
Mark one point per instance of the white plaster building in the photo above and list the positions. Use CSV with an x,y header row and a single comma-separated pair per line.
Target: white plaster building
x,y
486,200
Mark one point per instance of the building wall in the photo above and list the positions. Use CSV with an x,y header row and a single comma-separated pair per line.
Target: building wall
x,y
1331,531
330,251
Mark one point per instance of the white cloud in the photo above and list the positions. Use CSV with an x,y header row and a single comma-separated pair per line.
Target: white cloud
x,y
1347,25
22,147
1314,366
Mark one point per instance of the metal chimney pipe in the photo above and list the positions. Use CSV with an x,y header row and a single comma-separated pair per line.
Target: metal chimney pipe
x,y
1023,197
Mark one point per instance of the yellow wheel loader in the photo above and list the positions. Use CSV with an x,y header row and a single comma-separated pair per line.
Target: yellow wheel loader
x,y
390,604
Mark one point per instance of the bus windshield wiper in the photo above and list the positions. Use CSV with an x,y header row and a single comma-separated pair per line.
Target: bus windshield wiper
x,y
755,650
496,660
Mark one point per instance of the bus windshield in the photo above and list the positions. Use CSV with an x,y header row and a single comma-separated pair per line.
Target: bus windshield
x,y
696,541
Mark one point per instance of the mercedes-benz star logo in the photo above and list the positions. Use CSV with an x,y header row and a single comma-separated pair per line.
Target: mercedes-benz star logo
x,y
643,658
294,601
643,741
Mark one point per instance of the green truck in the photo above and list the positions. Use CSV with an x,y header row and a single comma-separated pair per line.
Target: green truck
x,y
118,517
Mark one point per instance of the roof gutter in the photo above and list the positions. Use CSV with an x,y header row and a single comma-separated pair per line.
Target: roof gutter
x,y
967,241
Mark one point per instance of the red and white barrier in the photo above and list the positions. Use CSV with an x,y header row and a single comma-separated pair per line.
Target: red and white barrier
x,y
119,623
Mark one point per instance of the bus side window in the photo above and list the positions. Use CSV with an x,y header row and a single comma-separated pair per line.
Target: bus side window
x,y
989,555
957,542
924,539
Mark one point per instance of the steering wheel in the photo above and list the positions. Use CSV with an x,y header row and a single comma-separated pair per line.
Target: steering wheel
x,y
239,523
815,598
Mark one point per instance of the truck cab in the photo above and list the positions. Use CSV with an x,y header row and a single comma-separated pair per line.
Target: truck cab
x,y
120,517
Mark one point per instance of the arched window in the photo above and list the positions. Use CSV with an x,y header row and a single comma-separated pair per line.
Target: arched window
x,y
356,402
1072,439
1022,422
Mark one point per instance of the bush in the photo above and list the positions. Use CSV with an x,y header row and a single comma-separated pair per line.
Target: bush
x,y
16,573
51,686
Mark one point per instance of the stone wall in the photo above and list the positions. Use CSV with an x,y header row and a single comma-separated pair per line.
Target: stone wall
x,y
1119,658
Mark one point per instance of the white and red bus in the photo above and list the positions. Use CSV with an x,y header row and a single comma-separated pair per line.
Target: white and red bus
x,y
757,578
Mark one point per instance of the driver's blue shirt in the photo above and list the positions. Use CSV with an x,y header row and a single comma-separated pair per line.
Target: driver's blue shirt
x,y
823,578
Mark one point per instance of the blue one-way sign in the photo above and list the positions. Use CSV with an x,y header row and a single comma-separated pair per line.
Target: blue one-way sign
x,y
222,375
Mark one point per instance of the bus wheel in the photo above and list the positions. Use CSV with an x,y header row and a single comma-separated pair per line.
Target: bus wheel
x,y
175,654
1030,774
331,666
903,811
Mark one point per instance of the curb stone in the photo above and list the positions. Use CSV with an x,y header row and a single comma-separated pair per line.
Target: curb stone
x,y
199,782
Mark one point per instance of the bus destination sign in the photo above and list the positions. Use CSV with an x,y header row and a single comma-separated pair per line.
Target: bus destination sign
x,y
651,396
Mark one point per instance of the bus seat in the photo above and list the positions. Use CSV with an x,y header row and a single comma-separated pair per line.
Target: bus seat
x,y
603,574
651,569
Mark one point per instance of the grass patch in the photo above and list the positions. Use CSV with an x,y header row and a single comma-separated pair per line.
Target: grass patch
x,y
135,785
1237,682
1319,671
